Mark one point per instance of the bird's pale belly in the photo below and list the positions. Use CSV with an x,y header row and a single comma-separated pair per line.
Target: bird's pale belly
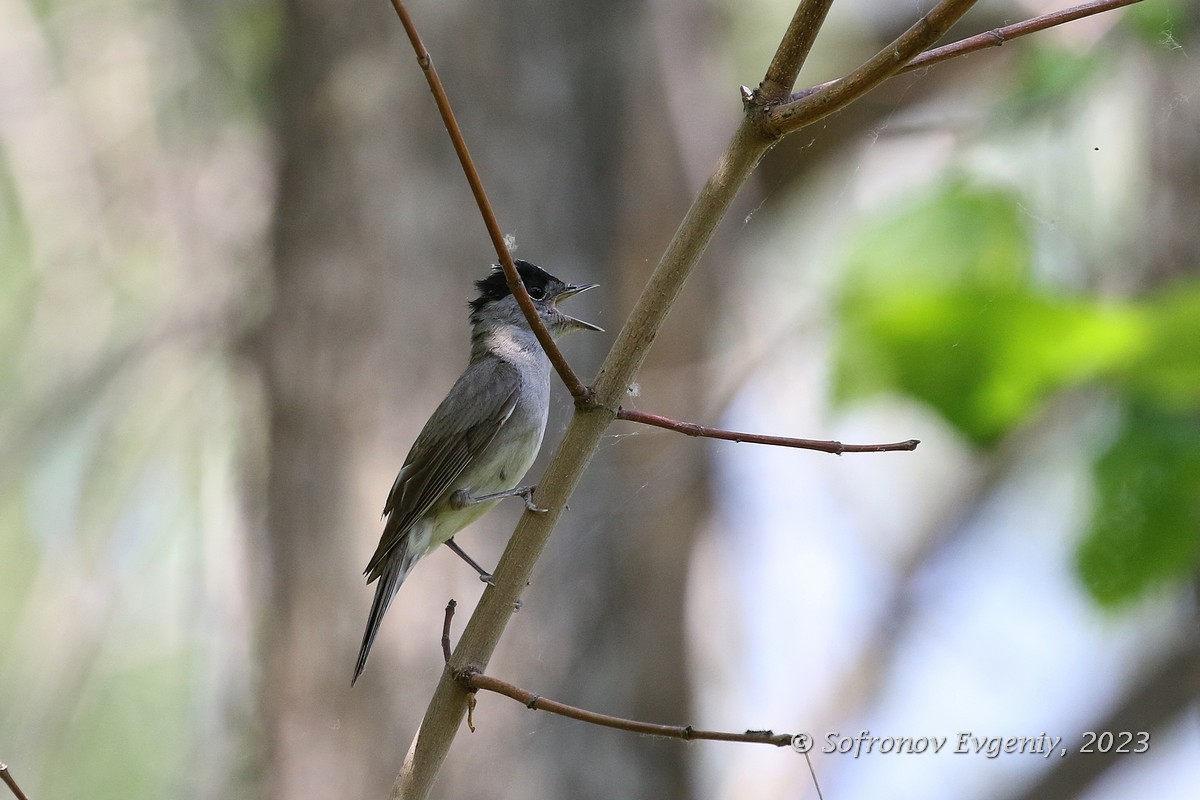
x,y
490,473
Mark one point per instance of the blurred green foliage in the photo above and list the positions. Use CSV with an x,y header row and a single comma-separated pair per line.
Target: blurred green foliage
x,y
128,130
1163,23
1049,75
938,303
1144,528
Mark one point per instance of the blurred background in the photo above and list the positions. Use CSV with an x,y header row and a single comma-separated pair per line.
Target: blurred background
x,y
235,253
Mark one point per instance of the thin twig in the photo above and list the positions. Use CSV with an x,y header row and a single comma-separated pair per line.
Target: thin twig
x,y
11,782
822,445
998,36
477,681
446,628
575,386
993,38
813,773
809,108
793,51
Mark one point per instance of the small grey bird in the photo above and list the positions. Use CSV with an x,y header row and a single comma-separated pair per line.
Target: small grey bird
x,y
479,442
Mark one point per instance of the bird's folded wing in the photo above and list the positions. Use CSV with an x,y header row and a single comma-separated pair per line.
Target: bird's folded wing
x,y
459,430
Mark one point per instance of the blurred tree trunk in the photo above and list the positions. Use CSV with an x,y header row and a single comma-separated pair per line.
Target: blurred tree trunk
x,y
376,243
360,272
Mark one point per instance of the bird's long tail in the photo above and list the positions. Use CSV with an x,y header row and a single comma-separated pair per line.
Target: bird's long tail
x,y
394,573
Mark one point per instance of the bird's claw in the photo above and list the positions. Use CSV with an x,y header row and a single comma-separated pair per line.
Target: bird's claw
x,y
526,494
486,577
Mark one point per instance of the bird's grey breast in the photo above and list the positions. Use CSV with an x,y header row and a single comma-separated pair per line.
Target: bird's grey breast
x,y
512,452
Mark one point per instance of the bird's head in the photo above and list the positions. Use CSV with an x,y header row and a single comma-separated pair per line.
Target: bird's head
x,y
496,304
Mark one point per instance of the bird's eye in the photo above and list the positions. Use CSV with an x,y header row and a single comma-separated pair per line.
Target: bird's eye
x,y
536,292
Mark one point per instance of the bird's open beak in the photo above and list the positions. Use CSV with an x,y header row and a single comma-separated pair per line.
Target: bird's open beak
x,y
571,291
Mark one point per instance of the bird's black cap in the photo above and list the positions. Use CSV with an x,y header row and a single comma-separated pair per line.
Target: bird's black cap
x,y
538,283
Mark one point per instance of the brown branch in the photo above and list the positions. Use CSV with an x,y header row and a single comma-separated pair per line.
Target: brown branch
x,y
446,629
474,681
575,386
822,445
793,51
887,62
477,681
998,36
11,782
992,38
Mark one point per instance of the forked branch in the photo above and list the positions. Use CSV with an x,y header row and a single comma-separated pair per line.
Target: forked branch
x,y
794,115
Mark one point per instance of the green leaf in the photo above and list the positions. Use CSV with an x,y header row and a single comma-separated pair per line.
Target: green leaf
x,y
1163,24
936,304
1145,528
984,361
959,235
1166,372
1050,75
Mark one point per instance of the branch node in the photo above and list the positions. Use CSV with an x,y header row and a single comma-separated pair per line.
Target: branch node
x,y
585,400
465,676
532,702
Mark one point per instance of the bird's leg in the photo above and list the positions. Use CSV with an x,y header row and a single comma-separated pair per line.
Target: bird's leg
x,y
462,498
484,575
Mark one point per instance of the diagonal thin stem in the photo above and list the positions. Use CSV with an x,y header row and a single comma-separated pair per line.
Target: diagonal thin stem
x,y
821,445
11,782
796,114
793,50
574,385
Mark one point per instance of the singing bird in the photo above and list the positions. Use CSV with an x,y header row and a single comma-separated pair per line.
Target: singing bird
x,y
481,439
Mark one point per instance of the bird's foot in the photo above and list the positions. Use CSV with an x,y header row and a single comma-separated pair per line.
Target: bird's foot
x,y
526,494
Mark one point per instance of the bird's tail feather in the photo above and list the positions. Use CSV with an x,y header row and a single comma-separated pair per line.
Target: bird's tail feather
x,y
389,583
